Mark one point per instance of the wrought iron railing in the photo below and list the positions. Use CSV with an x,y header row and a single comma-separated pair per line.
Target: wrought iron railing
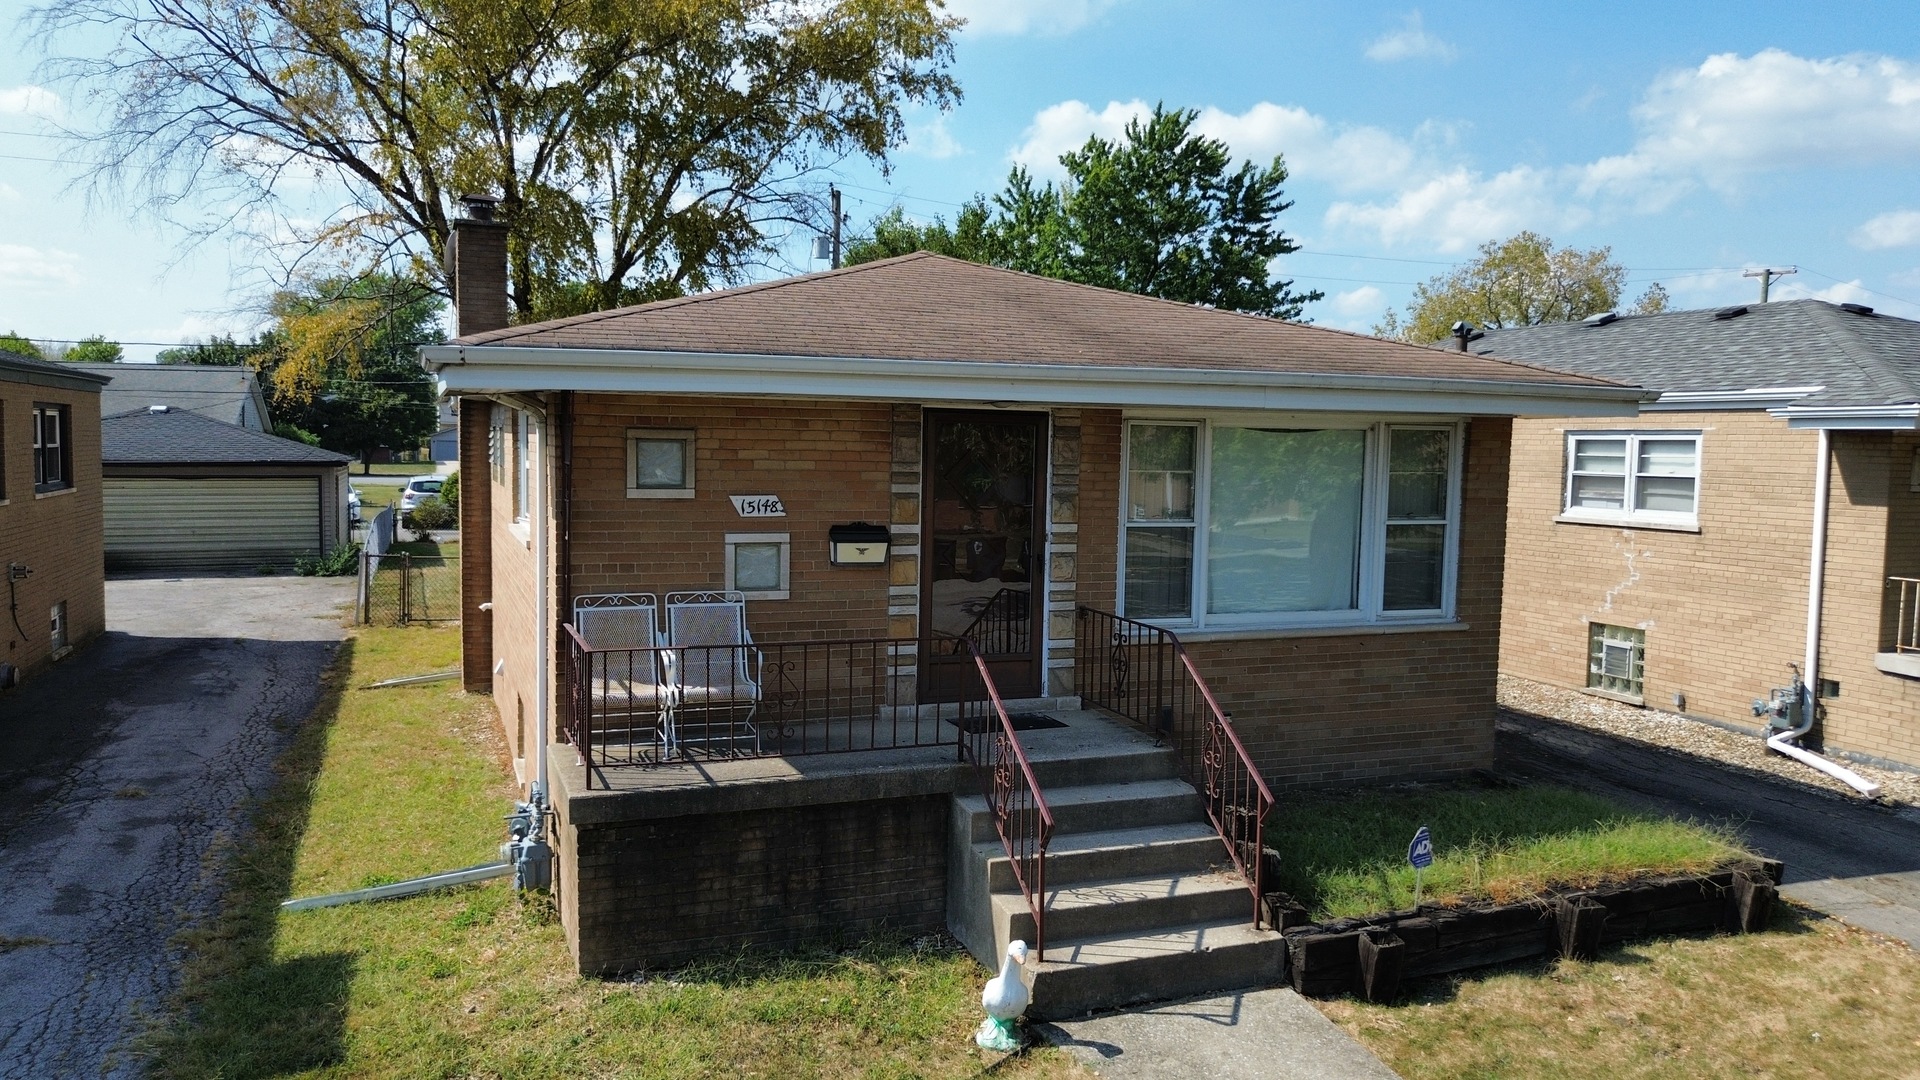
x,y
1142,674
1906,627
1005,625
1019,807
645,707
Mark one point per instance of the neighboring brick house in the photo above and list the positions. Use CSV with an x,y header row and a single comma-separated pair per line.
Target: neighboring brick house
x,y
1668,560
50,513
1318,515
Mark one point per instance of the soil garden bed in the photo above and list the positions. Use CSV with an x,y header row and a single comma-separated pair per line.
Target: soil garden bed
x,y
1369,957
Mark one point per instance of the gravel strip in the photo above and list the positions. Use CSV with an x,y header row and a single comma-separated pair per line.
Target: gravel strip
x,y
1684,735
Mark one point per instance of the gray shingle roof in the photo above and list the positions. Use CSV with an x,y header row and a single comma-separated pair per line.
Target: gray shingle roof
x,y
1857,357
178,437
229,394
17,368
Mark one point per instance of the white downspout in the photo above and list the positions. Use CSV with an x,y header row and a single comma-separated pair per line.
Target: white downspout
x,y
543,682
1816,588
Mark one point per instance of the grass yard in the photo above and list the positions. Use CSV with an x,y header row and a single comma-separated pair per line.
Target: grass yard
x,y
388,784
1814,998
1346,855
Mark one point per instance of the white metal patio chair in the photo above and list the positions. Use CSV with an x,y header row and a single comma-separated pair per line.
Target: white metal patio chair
x,y
630,688
716,673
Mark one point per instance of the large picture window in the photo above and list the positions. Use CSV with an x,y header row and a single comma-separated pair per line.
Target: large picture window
x,y
1651,478
1238,526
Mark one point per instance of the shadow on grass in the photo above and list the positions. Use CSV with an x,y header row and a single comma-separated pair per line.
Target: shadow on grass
x,y
241,1012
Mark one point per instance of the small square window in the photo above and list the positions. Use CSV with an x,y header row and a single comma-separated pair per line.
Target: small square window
x,y
659,464
1616,659
758,564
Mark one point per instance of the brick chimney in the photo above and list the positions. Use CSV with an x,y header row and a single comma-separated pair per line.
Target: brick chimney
x,y
477,267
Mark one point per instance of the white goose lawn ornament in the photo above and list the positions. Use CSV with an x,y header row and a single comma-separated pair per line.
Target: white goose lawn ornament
x,y
1005,998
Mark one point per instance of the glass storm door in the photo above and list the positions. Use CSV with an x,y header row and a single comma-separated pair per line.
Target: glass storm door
x,y
984,546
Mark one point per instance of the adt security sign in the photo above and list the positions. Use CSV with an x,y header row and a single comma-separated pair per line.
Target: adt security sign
x,y
1420,852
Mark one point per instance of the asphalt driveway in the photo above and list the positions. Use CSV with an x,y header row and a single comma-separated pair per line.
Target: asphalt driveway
x,y
118,770
1845,856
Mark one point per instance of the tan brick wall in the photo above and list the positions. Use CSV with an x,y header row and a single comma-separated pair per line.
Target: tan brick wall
x,y
515,687
1724,609
476,563
1342,705
58,536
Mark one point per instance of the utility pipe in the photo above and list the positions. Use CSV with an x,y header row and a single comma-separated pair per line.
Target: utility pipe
x,y
1784,742
448,879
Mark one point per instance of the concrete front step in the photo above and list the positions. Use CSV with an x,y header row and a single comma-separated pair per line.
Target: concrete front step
x,y
1101,807
1083,975
1125,906
1155,850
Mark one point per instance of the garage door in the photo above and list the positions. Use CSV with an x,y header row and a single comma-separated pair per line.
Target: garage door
x,y
210,524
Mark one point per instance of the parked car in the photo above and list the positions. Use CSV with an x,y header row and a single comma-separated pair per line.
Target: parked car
x,y
353,503
418,488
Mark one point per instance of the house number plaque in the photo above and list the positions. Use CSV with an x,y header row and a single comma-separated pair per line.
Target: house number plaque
x,y
758,506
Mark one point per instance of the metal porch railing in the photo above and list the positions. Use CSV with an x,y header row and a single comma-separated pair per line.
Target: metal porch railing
x,y
1906,627
1019,806
1142,674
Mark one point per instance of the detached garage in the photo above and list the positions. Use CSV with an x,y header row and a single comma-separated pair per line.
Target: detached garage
x,y
188,493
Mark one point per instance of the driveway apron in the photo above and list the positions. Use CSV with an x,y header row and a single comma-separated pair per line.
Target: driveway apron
x,y
119,770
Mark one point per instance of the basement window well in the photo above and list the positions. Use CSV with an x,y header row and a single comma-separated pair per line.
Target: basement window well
x,y
1616,660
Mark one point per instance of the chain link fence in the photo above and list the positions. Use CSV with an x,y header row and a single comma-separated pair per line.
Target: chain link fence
x,y
398,588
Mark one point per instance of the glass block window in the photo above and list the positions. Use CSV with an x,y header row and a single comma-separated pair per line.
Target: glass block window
x,y
659,464
760,565
1616,659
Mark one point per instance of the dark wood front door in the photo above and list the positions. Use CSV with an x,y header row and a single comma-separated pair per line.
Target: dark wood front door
x,y
984,547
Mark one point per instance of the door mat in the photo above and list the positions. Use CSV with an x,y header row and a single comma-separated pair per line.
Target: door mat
x,y
1025,721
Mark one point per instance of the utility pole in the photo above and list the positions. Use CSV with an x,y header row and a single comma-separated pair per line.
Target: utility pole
x,y
835,192
1766,274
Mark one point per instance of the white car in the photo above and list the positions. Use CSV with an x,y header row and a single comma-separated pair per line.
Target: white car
x,y
353,503
418,488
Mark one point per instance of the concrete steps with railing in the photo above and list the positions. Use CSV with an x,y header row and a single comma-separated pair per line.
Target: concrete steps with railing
x,y
1142,903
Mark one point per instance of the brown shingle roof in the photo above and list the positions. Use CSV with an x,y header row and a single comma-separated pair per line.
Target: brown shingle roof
x,y
931,307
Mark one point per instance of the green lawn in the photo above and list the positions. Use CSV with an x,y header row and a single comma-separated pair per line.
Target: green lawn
x,y
1346,855
475,982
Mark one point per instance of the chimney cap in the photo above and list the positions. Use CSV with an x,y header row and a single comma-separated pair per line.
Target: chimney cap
x,y
158,409
479,207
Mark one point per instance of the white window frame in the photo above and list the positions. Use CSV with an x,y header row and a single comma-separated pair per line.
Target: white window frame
x,y
1627,514
1369,610
785,540
685,436
60,449
522,467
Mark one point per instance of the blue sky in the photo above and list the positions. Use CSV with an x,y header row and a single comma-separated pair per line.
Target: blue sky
x,y
1695,140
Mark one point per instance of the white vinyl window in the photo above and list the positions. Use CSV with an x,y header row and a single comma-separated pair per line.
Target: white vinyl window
x,y
1228,525
1646,478
760,565
659,464
523,466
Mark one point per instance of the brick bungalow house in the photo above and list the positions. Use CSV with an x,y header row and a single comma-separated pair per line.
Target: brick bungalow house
x,y
50,513
1668,559
1065,478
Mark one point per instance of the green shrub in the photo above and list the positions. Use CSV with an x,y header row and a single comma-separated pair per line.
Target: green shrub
x,y
431,513
450,491
344,559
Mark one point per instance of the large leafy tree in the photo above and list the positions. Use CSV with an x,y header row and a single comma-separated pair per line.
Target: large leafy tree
x,y
639,149
1160,211
1520,281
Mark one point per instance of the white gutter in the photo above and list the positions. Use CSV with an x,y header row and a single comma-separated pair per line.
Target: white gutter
x,y
1759,397
1816,588
1851,417
511,369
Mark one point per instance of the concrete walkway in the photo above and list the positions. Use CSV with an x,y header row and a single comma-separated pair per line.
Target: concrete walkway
x,y
1272,1034
119,770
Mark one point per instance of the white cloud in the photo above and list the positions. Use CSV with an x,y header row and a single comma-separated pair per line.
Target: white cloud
x,y
1840,292
1895,228
1410,42
1365,300
9,193
1349,158
932,140
31,101
1014,17
37,269
1460,208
